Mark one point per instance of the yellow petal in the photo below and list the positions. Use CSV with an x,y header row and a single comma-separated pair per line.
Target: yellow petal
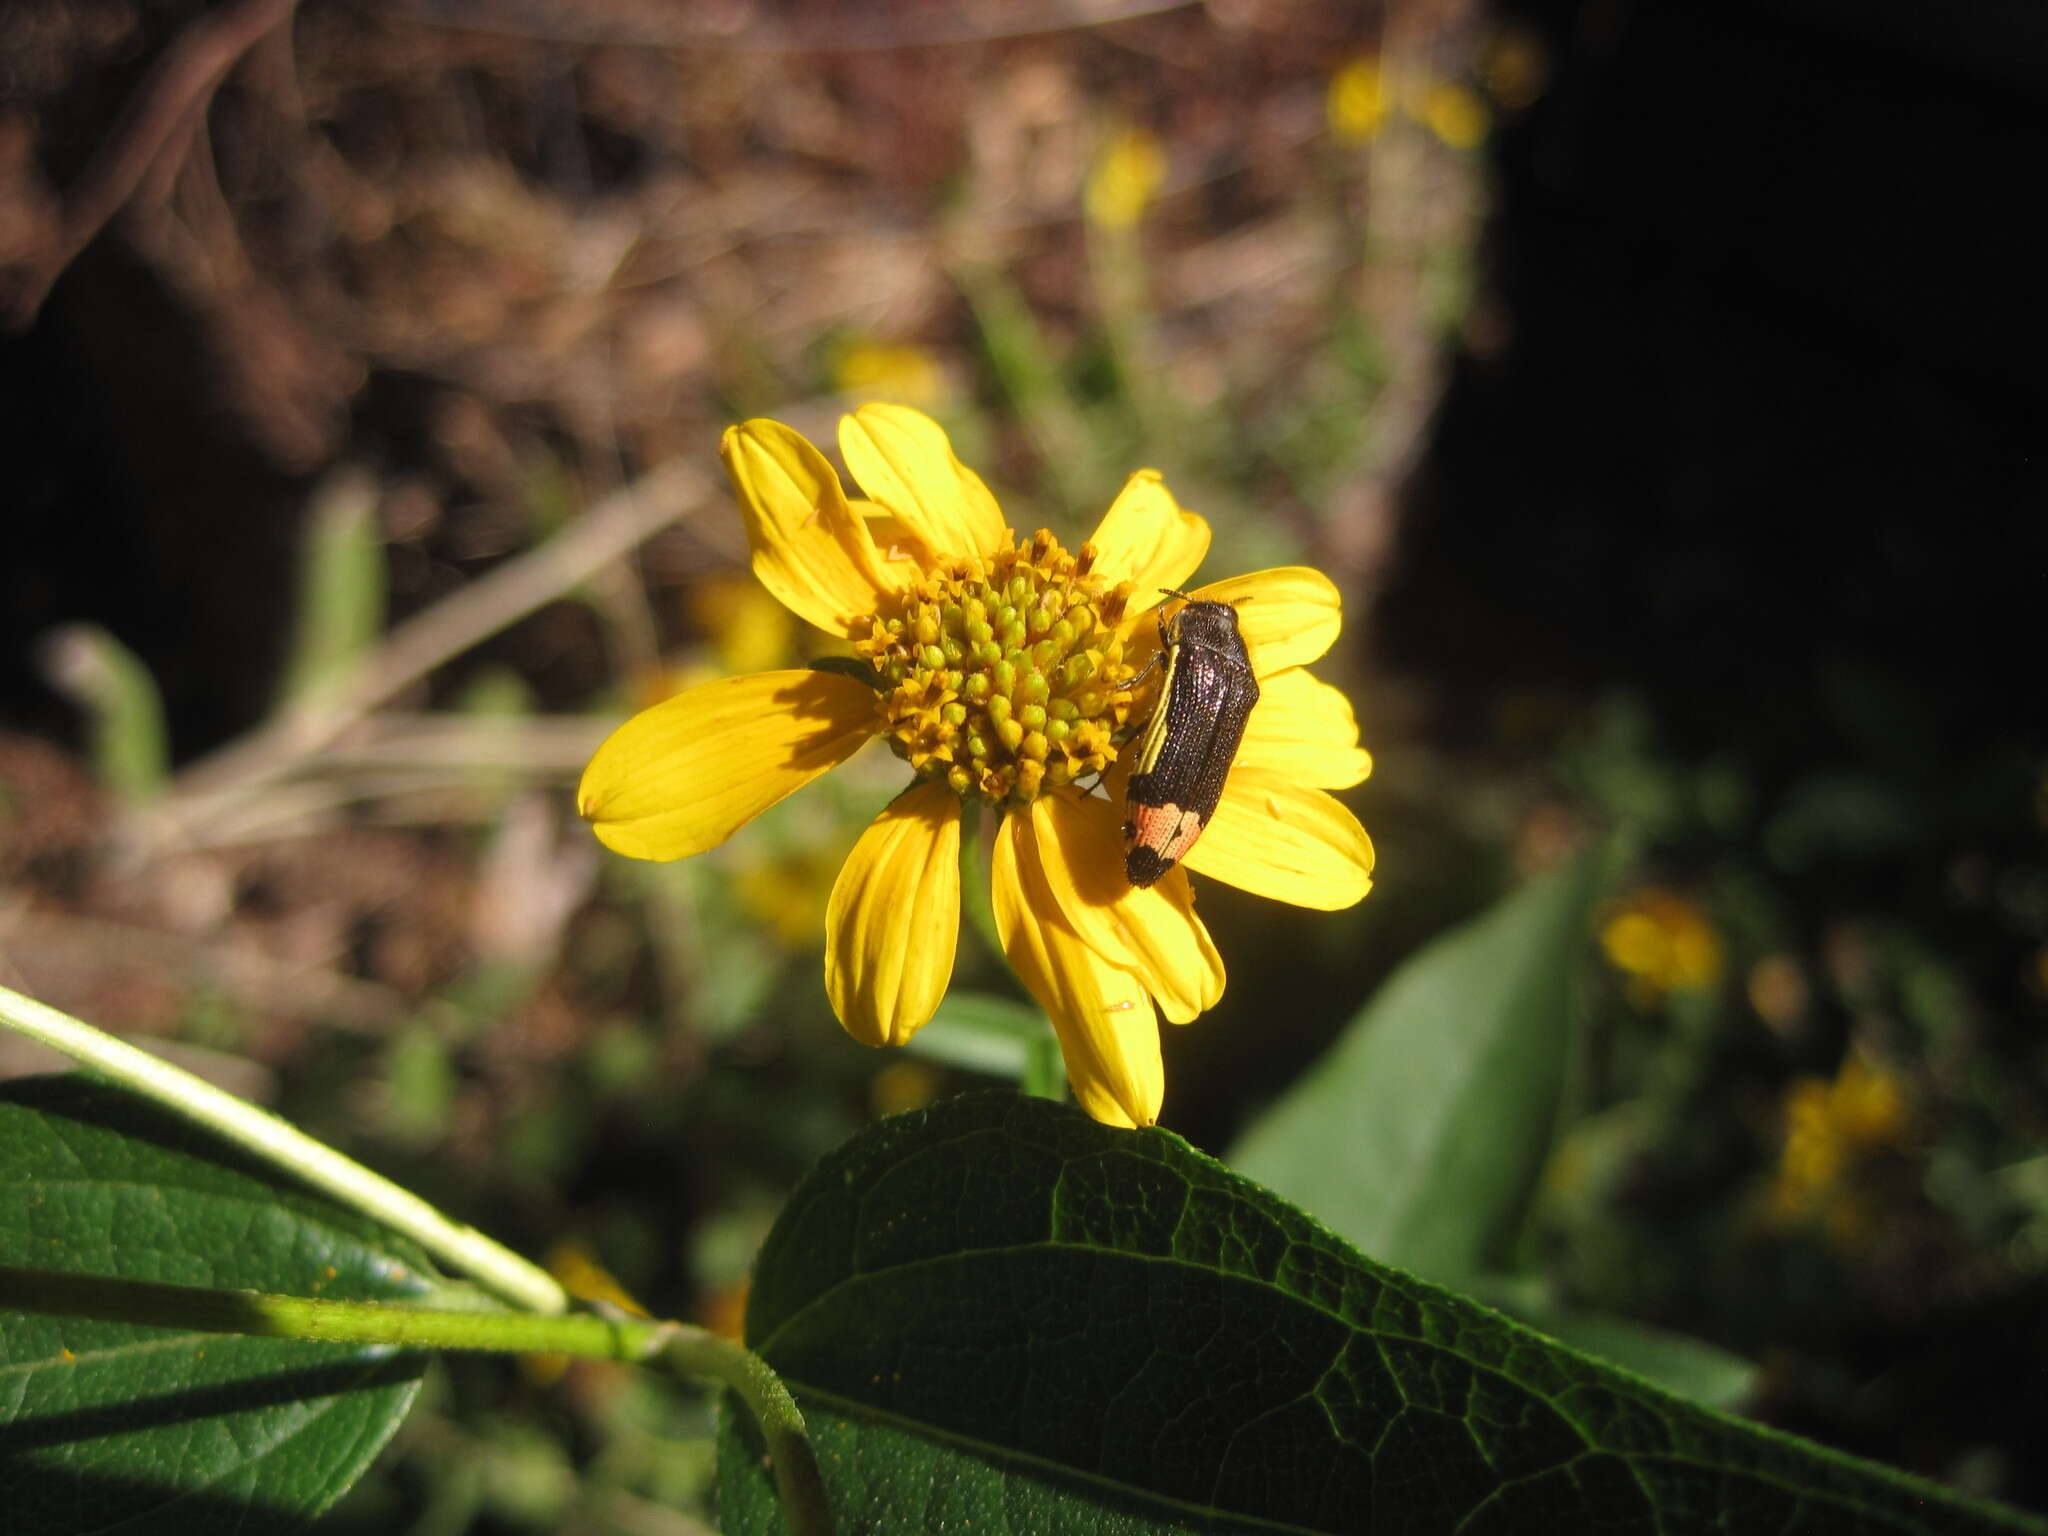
x,y
1289,615
1146,539
903,460
811,549
1304,729
685,775
1152,932
1103,1016
1274,836
895,540
894,919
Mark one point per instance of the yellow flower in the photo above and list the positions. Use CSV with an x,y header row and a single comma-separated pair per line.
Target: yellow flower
x,y
1454,114
785,893
1663,940
1003,675
868,370
1514,67
747,627
905,1084
1831,1130
1362,93
1357,100
571,1262
1125,178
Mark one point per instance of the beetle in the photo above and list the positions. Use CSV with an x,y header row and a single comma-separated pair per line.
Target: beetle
x,y
1189,743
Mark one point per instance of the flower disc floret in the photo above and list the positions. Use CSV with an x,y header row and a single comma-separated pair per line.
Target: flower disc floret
x,y
1003,676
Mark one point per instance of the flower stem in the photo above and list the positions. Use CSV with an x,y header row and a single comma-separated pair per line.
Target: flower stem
x,y
65,1294
1045,1072
974,890
677,1347
462,1248
799,1488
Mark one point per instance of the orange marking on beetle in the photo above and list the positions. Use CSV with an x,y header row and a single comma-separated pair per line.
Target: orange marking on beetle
x,y
1166,832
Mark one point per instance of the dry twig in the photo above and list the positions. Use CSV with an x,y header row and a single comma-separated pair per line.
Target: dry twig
x,y
153,140
212,789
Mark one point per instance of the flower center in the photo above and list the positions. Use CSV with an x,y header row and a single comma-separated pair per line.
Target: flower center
x,y
1004,682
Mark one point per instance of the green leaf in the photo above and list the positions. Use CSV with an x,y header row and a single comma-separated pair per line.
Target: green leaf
x,y
116,690
1679,1363
978,1032
1421,1134
998,1038
342,584
107,1426
1000,1315
848,666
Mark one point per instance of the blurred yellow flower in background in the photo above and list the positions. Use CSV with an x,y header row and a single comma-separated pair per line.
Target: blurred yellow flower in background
x,y
571,1261
905,1084
1454,114
785,893
648,686
723,1310
1831,1129
1356,102
864,370
1001,671
1362,93
748,629
1514,66
1663,941
1124,179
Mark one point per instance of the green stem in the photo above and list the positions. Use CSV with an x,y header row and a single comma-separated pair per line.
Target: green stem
x,y
1045,1071
676,1347
462,1248
1029,374
974,878
799,1487
114,687
62,1294
1116,262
